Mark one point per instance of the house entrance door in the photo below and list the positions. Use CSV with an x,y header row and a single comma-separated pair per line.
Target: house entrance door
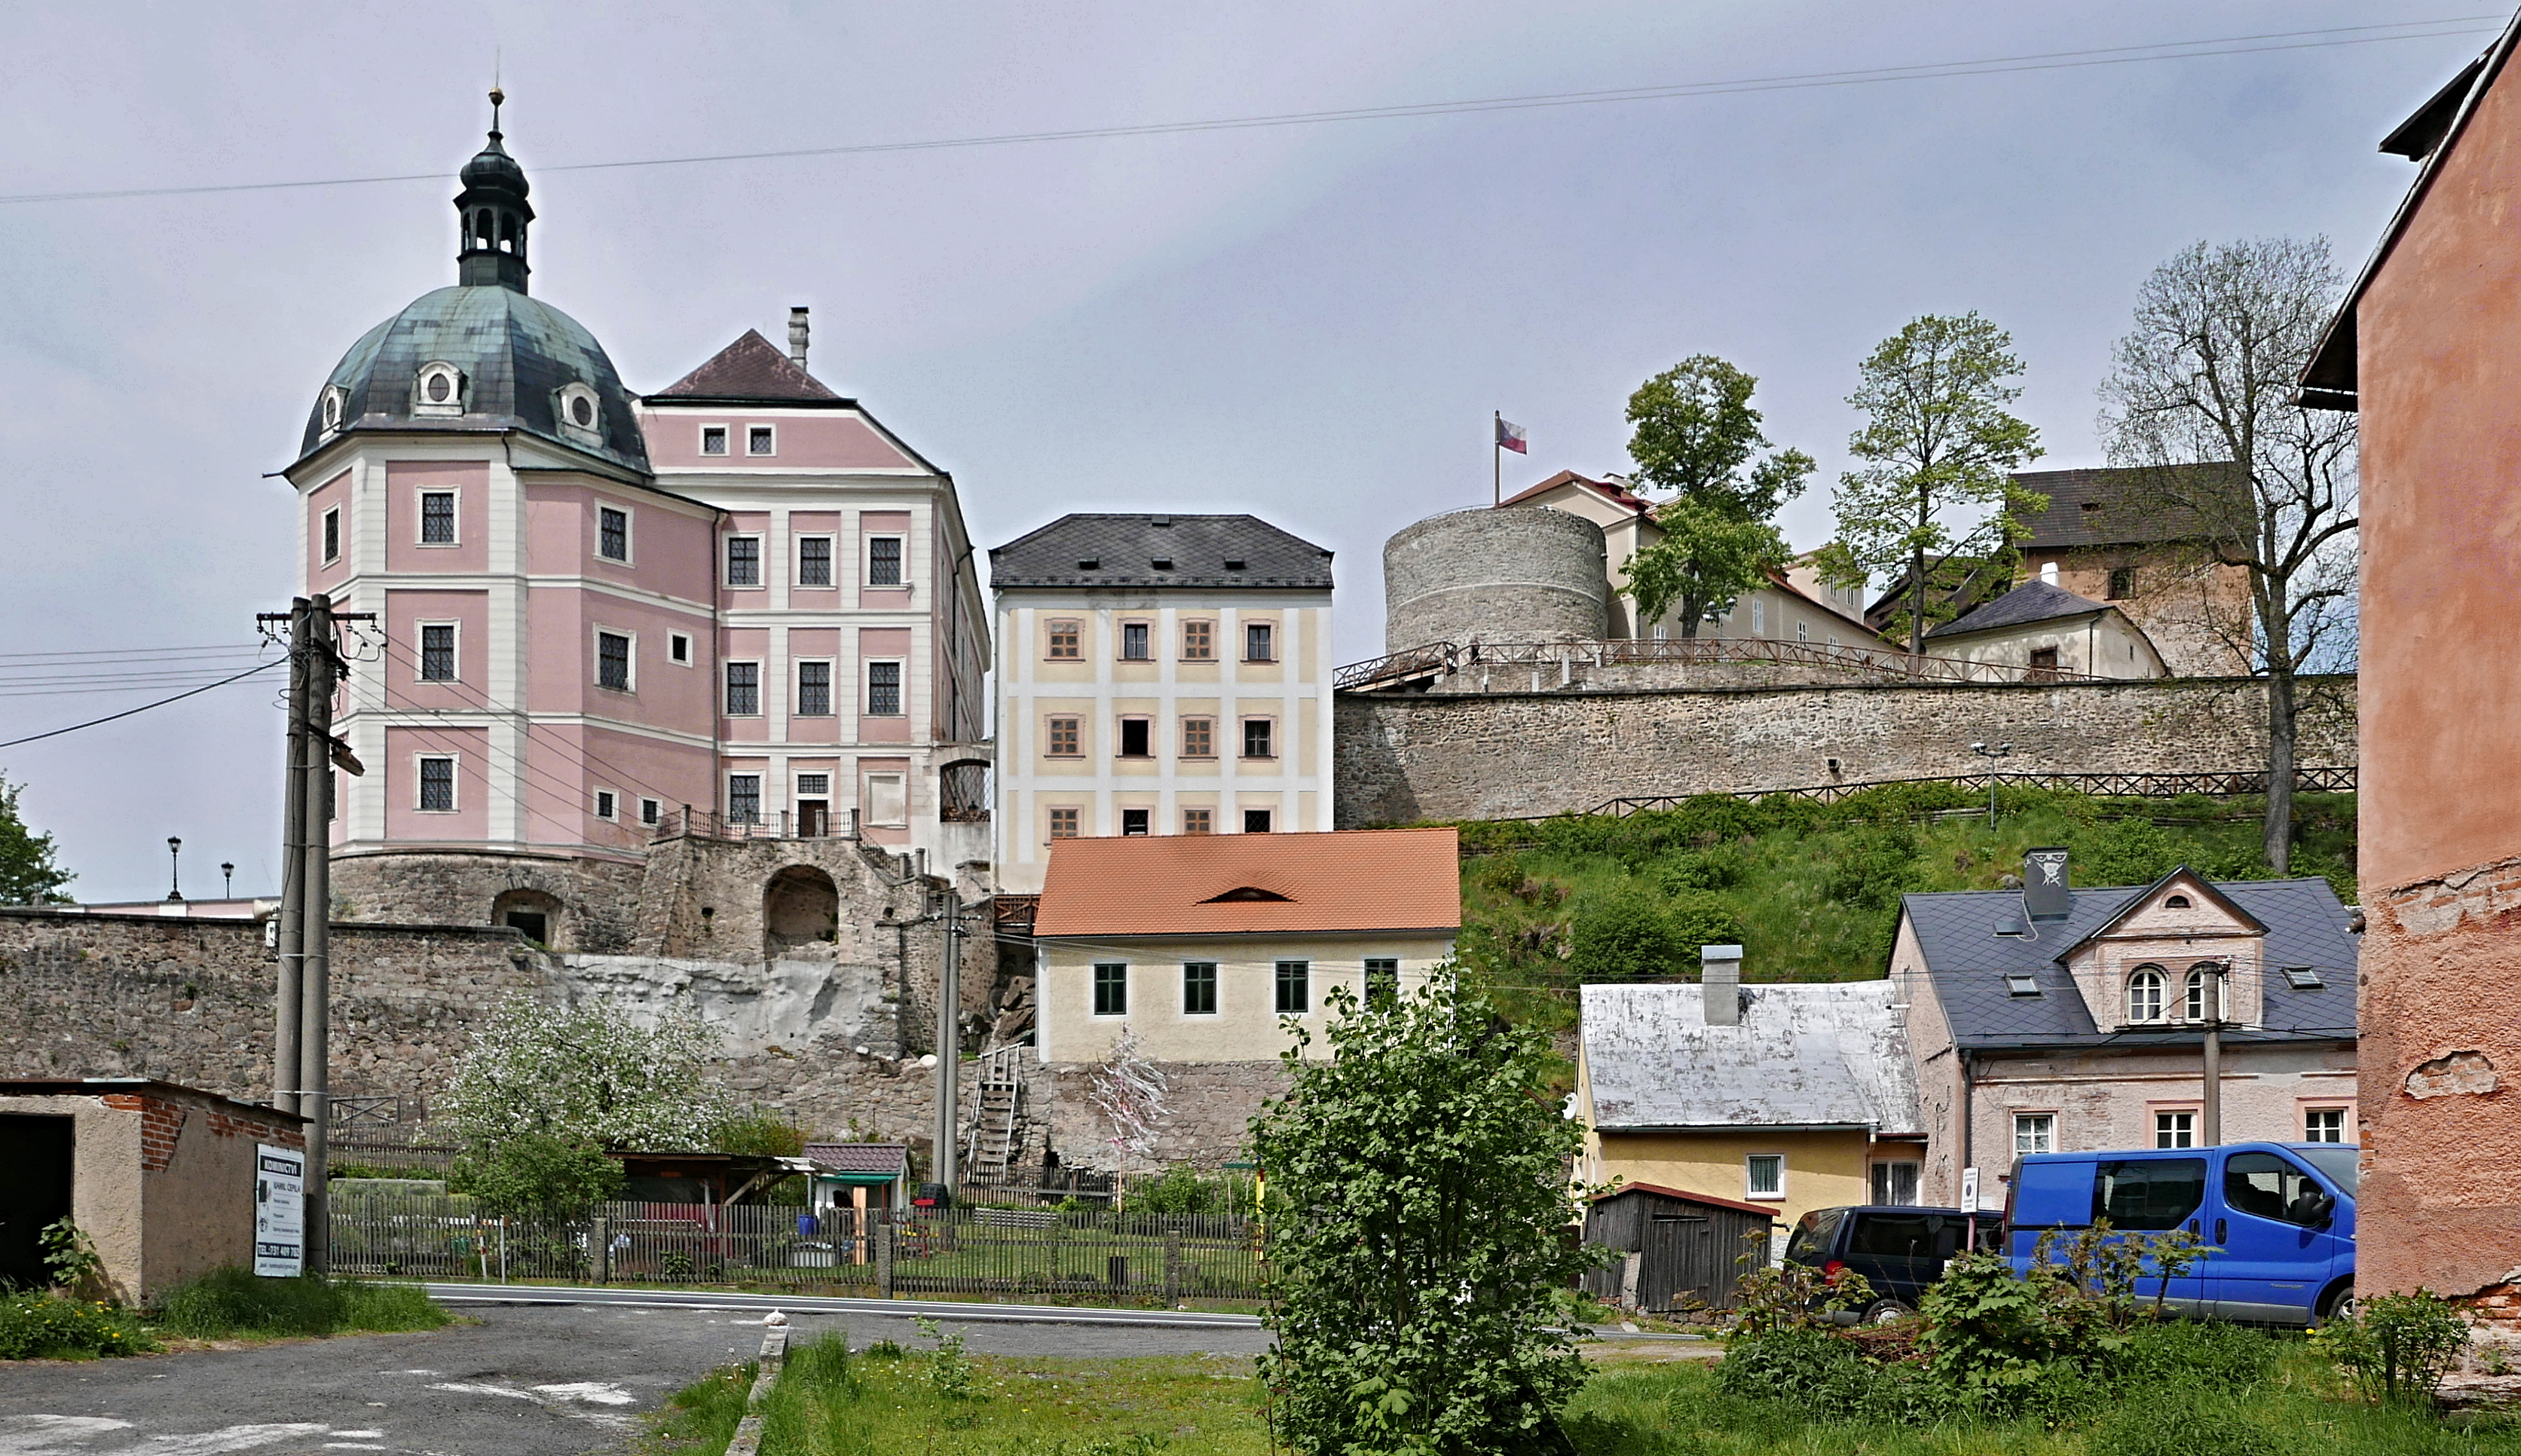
x,y
36,1152
813,818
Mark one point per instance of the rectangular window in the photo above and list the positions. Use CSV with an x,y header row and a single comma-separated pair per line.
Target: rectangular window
x,y
1063,824
1199,988
1199,738
1064,738
2149,1193
1759,617
1110,989
606,804
612,662
437,786
813,786
2122,583
333,534
813,561
1135,736
883,689
1256,738
1763,1175
651,811
2175,1130
1260,641
1896,1183
438,518
1255,821
679,646
1133,822
760,439
743,561
1295,981
1133,642
1199,642
2035,1132
1803,631
437,651
1198,821
1063,641
2323,1125
743,689
813,689
712,439
613,533
744,799
1382,981
884,561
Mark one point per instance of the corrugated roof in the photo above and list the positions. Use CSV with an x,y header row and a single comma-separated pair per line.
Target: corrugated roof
x,y
2030,602
1968,962
1351,879
1202,551
2130,506
859,1158
749,371
1804,1056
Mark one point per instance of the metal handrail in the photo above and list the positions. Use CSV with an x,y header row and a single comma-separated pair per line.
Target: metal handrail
x,y
2216,783
1437,657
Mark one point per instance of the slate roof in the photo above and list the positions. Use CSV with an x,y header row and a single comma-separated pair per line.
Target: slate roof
x,y
749,371
2126,507
1169,884
859,1158
1804,1056
2030,602
1197,551
1968,962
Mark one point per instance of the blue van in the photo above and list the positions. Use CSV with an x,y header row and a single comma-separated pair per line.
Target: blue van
x,y
2280,1217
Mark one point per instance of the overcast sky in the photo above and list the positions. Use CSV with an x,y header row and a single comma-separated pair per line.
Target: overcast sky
x,y
1311,323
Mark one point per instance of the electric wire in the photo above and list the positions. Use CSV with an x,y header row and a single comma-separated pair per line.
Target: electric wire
x,y
146,707
2174,50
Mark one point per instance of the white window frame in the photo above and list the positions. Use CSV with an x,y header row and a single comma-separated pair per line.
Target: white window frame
x,y
328,534
725,440
633,659
831,561
564,412
831,707
335,408
2345,1122
454,517
452,404
1750,1179
903,561
726,562
727,687
2039,1127
1880,1170
420,653
1758,616
1243,742
651,812
866,798
679,649
900,688
454,783
757,802
2158,996
608,804
750,453
630,534
2160,1114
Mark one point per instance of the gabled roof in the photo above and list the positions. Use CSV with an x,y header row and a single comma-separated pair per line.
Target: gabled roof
x,y
1967,963
2127,506
859,1158
749,371
1187,885
1804,1056
2030,602
1199,551
1705,1199
1612,492
2137,900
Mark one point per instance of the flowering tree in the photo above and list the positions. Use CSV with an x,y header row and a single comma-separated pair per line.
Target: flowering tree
x,y
591,1075
1129,1090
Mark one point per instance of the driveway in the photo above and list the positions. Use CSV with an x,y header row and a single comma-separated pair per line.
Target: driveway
x,y
522,1381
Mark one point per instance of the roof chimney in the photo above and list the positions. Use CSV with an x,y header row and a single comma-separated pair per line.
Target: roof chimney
x,y
1720,980
2047,569
2046,893
798,328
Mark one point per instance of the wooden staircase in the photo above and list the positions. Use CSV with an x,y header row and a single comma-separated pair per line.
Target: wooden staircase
x,y
995,1133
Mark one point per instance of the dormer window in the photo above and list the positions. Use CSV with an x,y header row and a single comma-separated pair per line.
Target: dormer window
x,y
712,439
438,389
335,408
579,412
1243,894
2144,996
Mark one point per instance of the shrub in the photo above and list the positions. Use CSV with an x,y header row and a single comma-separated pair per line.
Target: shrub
x,y
1623,933
1702,920
2397,1346
2124,852
537,1172
1874,867
1991,1338
1720,868
36,1325
232,1300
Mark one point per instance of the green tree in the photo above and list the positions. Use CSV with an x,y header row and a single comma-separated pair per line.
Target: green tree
x,y
538,1173
1625,932
1695,435
1940,449
28,873
594,1076
1422,1263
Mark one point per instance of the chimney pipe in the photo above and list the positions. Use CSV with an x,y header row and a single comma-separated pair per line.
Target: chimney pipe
x,y
1720,980
2047,891
798,330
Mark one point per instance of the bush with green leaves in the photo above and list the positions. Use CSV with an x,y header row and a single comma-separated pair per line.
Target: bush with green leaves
x,y
1423,1275
538,1173
2397,1346
1623,933
37,1326
2124,851
1874,869
71,1256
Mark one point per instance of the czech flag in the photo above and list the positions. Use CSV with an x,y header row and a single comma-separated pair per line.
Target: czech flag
x,y
1509,436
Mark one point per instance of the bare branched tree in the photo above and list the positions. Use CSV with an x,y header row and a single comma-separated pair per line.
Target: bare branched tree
x,y
2209,374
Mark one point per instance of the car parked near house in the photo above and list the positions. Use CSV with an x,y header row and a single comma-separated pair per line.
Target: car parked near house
x,y
1899,1249
2279,1218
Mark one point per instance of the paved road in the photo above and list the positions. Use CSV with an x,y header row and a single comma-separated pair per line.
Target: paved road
x,y
728,1299
525,1381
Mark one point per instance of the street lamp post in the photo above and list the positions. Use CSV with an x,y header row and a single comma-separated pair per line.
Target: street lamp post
x,y
174,870
1992,751
227,874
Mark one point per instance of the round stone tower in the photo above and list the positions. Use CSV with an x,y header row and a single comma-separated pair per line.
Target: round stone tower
x,y
1529,574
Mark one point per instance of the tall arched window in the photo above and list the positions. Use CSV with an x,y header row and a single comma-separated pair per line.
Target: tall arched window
x,y
2144,994
2202,1000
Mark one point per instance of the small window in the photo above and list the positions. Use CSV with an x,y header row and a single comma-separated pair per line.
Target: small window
x,y
1134,823
1063,641
1294,980
760,439
1803,633
2175,1130
1110,989
2144,995
1199,738
2122,583
1256,738
1063,824
2022,986
1896,1183
813,561
813,689
2304,978
813,785
2175,902
743,689
2323,1125
883,689
712,439
437,785
1199,821
612,662
438,518
744,799
581,410
884,561
337,403
1260,641
678,647
333,535
1199,641
743,561
1765,1175
613,533
608,804
2035,1132
437,651
1255,821
2201,999
1135,734
1133,642
1382,980
1199,988
438,389
1064,738
651,812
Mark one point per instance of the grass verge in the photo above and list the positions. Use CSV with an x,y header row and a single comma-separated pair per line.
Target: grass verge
x,y
231,1303
47,1326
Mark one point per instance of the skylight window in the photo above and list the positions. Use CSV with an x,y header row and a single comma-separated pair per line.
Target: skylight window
x,y
2022,986
2304,978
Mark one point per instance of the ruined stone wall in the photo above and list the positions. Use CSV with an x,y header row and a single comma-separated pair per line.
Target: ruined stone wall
x,y
1209,1107
1408,756
594,903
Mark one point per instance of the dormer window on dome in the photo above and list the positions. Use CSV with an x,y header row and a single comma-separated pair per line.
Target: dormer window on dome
x,y
335,408
438,388
581,413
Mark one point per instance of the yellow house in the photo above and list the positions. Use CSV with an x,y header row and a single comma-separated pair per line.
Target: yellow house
x,y
1794,1097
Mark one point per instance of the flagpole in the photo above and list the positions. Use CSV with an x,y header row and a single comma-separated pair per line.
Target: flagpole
x,y
1497,457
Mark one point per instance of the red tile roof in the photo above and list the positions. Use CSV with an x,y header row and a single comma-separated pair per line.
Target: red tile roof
x,y
1351,879
1608,490
750,369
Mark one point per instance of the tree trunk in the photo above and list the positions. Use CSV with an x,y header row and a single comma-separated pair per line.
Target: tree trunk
x,y
2281,730
1918,603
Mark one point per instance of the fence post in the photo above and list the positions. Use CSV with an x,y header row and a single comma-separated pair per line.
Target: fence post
x,y
883,1236
1173,1268
600,1234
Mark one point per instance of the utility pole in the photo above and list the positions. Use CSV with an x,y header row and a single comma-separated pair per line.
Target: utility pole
x,y
949,1050
291,938
2211,1106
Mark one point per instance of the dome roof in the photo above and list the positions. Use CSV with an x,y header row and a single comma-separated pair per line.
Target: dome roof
x,y
492,166
516,358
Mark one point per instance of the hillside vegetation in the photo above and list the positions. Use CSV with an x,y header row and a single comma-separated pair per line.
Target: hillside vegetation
x,y
1811,890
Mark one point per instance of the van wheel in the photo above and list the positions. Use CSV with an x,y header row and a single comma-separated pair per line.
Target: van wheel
x,y
2338,1304
1886,1312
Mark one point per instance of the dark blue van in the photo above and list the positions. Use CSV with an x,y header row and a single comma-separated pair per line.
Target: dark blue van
x,y
2280,1217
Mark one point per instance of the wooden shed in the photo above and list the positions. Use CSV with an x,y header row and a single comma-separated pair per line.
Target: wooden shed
x,y
1682,1248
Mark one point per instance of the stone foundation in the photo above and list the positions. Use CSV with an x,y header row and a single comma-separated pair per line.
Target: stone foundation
x,y
1210,1108
590,904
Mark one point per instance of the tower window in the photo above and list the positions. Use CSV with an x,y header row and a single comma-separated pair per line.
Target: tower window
x,y
813,689
744,799
712,439
743,561
612,660
813,561
613,533
883,689
437,651
760,439
438,518
743,689
438,389
437,785
333,535
337,402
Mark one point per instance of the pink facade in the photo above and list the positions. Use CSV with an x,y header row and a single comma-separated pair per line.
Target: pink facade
x,y
833,442
407,481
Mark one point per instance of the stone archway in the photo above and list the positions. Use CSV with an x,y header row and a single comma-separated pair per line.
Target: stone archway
x,y
799,906
538,914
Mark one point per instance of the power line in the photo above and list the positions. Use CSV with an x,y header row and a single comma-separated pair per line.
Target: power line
x,y
144,708
2177,50
108,657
